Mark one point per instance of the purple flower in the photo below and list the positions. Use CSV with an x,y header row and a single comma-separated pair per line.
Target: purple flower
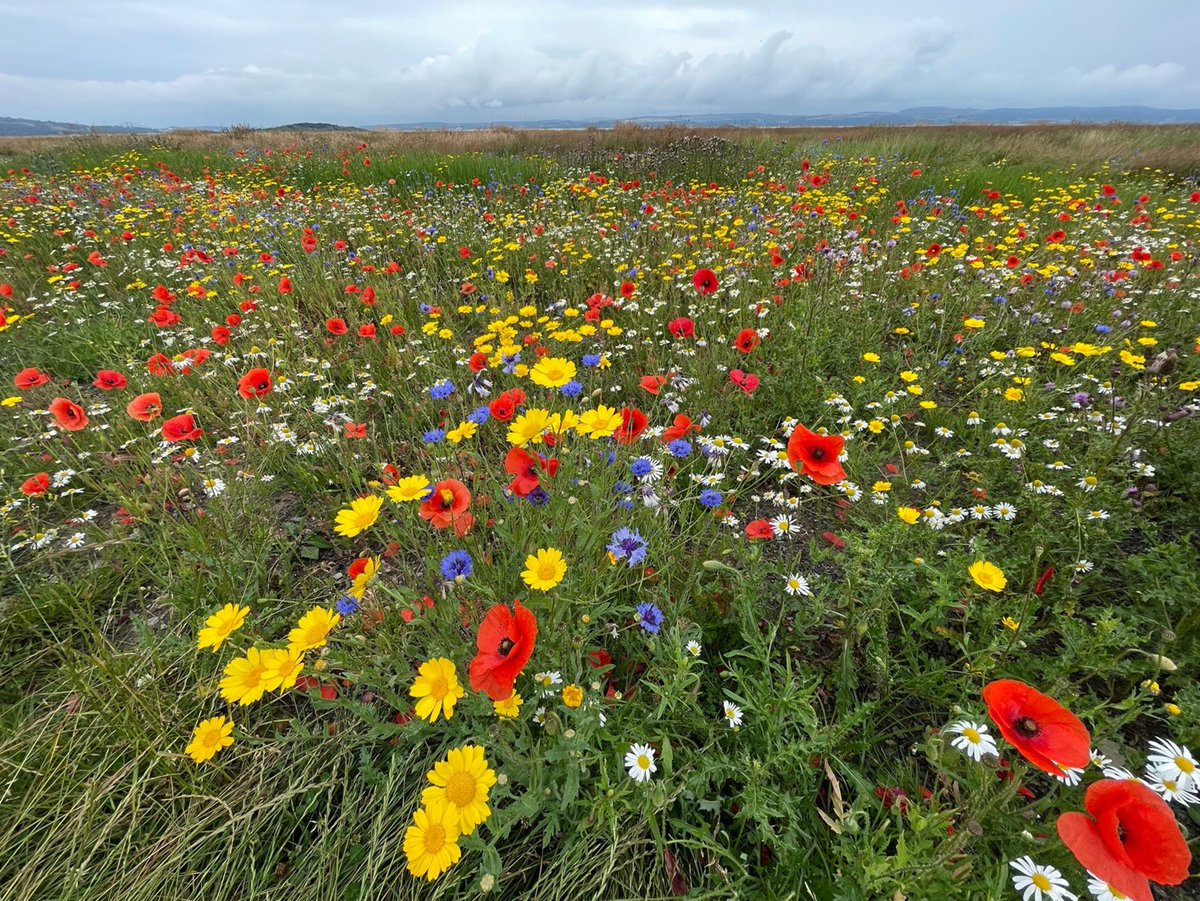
x,y
650,618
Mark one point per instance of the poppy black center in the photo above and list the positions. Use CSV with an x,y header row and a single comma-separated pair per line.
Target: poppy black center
x,y
506,645
1026,727
818,453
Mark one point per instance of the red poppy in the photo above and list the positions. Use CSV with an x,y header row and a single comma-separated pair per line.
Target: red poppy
x,y
221,335
758,530
817,456
68,415
1130,839
336,326
628,289
748,383
30,378
35,485
255,383
357,568
681,327
285,285
704,281
367,331
478,362
160,365
356,430
746,340
633,423
108,380
164,317
181,428
681,428
523,467
1043,731
505,405
652,383
447,505
145,407
505,641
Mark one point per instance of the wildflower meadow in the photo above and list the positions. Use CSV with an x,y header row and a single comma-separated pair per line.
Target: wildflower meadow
x,y
805,517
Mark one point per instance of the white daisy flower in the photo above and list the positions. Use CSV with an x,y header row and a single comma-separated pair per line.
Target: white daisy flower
x,y
732,713
639,761
1171,761
1040,883
693,648
1180,791
1102,891
973,740
797,585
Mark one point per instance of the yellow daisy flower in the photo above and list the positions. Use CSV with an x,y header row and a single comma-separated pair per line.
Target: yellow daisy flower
x,y
219,626
510,707
313,629
431,842
987,576
245,678
437,688
410,488
209,737
552,372
461,782
359,517
282,666
545,569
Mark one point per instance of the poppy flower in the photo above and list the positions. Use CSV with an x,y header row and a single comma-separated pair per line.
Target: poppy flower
x,y
108,380
628,289
1043,731
505,641
633,423
255,383
68,415
1128,838
817,456
29,378
651,384
285,285
758,530
336,326
680,428
704,281
159,365
748,383
35,485
221,335
447,505
367,331
181,428
681,327
145,407
505,405
746,340
523,467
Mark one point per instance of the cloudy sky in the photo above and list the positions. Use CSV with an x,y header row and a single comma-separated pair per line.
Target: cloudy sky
x,y
161,63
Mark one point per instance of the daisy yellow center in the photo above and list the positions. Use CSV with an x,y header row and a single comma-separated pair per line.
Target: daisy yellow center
x,y
435,838
1041,882
971,735
438,688
460,789
643,762
546,571
1185,765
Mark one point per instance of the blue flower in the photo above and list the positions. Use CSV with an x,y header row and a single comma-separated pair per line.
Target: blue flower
x,y
640,468
628,545
680,448
347,605
1103,329
479,415
710,498
650,618
456,566
433,436
571,389
591,360
441,389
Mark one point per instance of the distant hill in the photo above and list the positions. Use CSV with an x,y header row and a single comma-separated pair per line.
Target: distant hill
x,y
312,126
928,115
29,128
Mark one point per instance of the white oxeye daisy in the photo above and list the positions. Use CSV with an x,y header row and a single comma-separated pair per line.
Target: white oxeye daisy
x,y
640,763
693,648
797,584
1172,761
972,739
733,714
1070,775
1180,791
1102,891
1040,883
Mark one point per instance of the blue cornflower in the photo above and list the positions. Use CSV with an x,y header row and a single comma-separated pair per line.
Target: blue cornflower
x,y
441,389
640,468
433,436
710,498
538,497
680,448
347,605
456,566
650,618
479,416
571,389
1103,329
628,545
591,360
